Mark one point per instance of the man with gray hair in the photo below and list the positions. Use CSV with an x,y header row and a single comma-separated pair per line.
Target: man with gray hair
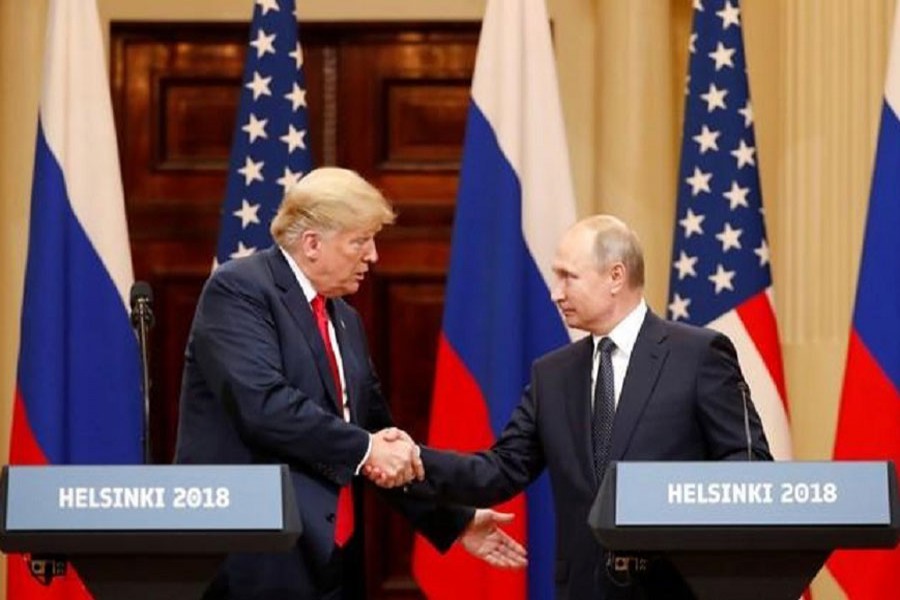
x,y
277,370
637,388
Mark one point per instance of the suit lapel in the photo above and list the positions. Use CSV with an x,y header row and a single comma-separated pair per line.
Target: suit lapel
x,y
647,358
300,311
578,403
349,359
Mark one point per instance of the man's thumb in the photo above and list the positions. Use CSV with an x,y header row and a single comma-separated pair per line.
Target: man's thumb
x,y
502,517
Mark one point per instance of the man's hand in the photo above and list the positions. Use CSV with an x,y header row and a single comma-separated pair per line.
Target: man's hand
x,y
394,460
484,539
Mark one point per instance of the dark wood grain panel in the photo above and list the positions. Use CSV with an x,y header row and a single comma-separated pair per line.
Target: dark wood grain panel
x,y
192,114
441,58
423,122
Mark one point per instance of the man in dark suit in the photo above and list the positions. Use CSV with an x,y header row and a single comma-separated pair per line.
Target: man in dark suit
x,y
277,370
636,388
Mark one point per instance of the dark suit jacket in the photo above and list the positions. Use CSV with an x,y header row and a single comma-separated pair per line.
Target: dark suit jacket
x,y
680,400
257,389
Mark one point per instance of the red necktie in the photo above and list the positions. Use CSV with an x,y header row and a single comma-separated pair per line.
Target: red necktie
x,y
343,525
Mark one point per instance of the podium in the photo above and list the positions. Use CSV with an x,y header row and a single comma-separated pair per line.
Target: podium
x,y
142,532
745,530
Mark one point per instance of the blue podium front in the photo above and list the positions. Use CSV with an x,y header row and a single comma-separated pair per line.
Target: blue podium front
x,y
149,531
744,529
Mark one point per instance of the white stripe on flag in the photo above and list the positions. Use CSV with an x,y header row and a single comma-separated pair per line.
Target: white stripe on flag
x,y
76,113
515,86
769,403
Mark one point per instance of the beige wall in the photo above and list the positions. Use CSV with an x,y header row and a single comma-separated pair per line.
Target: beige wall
x,y
816,73
21,44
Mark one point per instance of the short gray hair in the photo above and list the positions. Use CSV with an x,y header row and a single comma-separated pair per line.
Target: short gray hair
x,y
616,241
329,199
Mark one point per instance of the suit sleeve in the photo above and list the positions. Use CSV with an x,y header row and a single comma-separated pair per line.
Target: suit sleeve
x,y
440,524
721,406
486,478
237,349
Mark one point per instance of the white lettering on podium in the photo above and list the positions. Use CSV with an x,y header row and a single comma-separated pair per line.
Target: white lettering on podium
x,y
66,497
745,492
111,497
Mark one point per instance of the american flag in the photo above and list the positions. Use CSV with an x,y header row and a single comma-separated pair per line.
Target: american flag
x,y
269,151
720,259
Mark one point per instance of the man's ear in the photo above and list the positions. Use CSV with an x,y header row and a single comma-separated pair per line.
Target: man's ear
x,y
310,244
619,276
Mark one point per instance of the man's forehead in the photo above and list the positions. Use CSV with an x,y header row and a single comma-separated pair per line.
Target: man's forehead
x,y
565,260
574,242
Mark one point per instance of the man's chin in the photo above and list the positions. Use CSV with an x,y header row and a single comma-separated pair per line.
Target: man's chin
x,y
571,320
350,288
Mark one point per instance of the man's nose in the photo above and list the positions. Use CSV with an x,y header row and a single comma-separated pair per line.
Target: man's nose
x,y
370,254
556,292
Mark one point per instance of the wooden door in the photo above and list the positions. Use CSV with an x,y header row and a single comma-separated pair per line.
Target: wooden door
x,y
388,100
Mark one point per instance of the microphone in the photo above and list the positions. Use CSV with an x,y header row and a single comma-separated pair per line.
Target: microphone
x,y
745,394
142,320
141,301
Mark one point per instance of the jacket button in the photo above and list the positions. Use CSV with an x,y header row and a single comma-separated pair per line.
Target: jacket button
x,y
330,518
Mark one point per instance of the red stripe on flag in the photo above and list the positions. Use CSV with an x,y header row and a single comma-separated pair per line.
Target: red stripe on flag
x,y
759,320
869,418
459,420
459,415
22,586
24,450
868,423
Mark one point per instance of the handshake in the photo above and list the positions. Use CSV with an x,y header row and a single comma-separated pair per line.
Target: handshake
x,y
394,459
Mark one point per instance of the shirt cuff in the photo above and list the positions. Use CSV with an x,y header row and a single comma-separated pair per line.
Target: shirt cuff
x,y
365,457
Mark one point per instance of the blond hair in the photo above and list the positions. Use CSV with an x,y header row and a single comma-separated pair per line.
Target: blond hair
x,y
329,199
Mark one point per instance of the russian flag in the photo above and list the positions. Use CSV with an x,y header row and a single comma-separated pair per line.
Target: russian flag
x,y
514,202
869,418
78,398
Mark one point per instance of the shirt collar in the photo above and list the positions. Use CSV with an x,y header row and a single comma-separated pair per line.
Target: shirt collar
x,y
305,284
624,335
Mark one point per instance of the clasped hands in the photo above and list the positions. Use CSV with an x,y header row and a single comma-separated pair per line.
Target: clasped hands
x,y
394,460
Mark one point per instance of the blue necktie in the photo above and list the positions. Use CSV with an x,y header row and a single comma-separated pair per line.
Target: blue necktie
x,y
604,408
